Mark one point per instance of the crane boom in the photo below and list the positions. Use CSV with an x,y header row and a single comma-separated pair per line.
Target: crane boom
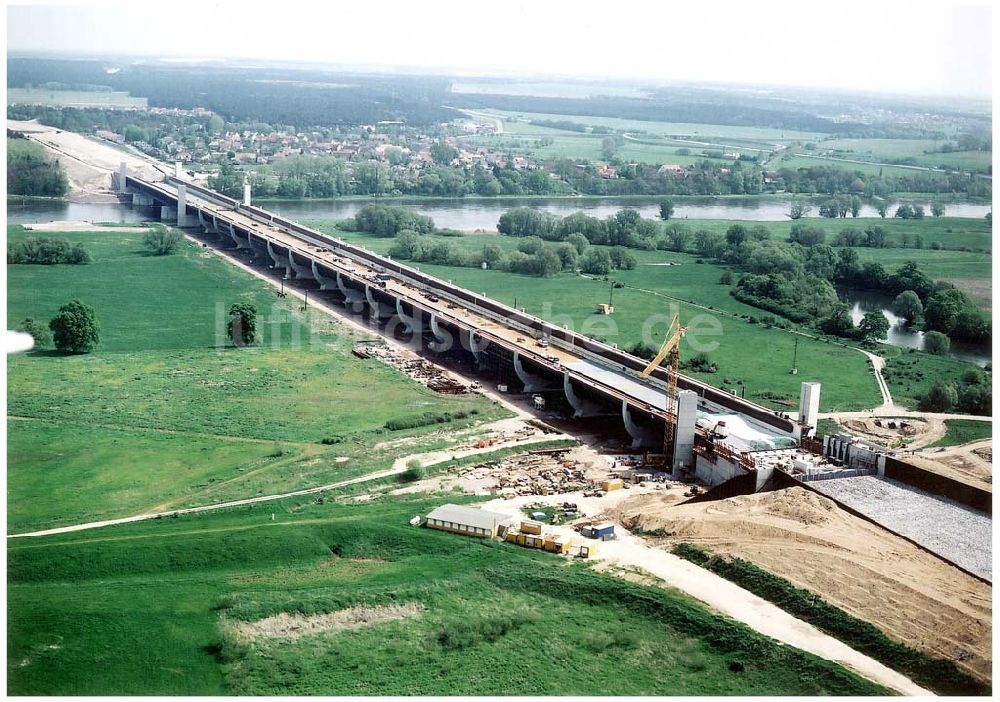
x,y
672,352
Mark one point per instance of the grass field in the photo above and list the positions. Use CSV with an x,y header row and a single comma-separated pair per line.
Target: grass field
x,y
141,609
911,374
73,98
803,160
922,151
574,145
702,131
163,414
963,431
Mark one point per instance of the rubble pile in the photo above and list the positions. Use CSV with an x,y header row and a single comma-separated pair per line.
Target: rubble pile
x,y
538,473
420,370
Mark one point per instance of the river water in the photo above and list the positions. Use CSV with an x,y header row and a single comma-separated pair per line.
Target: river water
x,y
902,335
470,214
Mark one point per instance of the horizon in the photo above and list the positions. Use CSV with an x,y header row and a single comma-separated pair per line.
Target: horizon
x,y
959,67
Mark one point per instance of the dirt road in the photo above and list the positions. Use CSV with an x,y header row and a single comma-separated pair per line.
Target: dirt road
x,y
398,467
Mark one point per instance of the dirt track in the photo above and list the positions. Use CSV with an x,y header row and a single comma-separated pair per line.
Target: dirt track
x,y
803,537
88,163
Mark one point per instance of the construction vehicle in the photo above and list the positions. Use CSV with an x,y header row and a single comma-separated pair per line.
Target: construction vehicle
x,y
672,352
603,308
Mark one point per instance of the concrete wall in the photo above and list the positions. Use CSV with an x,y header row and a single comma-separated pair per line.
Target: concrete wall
x,y
718,472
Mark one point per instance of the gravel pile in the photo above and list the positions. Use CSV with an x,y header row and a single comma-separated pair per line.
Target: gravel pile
x,y
948,528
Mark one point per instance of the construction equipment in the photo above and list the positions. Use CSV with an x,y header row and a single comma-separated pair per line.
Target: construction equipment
x,y
671,351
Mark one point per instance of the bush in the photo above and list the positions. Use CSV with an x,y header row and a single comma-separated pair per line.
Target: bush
x,y
414,472
161,241
46,252
936,343
75,328
37,331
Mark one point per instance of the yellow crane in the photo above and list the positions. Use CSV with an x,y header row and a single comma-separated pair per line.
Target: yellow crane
x,y
671,351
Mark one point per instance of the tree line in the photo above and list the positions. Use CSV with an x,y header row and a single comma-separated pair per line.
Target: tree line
x,y
30,172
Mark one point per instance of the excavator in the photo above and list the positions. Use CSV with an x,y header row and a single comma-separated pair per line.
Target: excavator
x,y
671,351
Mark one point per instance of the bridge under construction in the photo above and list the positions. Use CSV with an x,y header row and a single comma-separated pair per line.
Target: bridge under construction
x,y
716,433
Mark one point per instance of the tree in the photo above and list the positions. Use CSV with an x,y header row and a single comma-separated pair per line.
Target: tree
x,y
492,255
876,237
882,207
75,328
726,278
936,343
530,245
806,235
596,262
568,255
855,205
937,209
940,398
242,325
161,241
443,153
874,326
943,308
666,209
37,331
799,210
677,236
610,146
621,258
549,263
908,306
579,242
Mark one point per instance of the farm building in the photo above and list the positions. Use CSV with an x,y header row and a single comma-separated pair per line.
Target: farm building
x,y
470,521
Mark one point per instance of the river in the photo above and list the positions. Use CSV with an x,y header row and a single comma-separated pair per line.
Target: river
x,y
471,214
906,337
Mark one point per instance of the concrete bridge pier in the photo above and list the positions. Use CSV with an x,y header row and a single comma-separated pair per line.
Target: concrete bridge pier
x,y
687,415
410,323
240,242
279,261
300,270
531,381
352,297
640,435
208,224
475,346
324,283
443,339
168,213
183,218
141,199
378,311
581,407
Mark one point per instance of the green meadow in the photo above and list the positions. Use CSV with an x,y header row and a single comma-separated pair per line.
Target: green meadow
x,y
148,609
166,414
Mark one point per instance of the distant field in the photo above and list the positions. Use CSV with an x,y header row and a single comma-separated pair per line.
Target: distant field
x,y
670,128
143,609
886,150
73,98
574,145
969,272
161,413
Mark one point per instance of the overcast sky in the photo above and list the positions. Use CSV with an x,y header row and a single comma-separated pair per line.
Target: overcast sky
x,y
912,46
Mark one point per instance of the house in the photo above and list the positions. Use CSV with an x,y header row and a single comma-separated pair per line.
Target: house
x,y
670,168
461,519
